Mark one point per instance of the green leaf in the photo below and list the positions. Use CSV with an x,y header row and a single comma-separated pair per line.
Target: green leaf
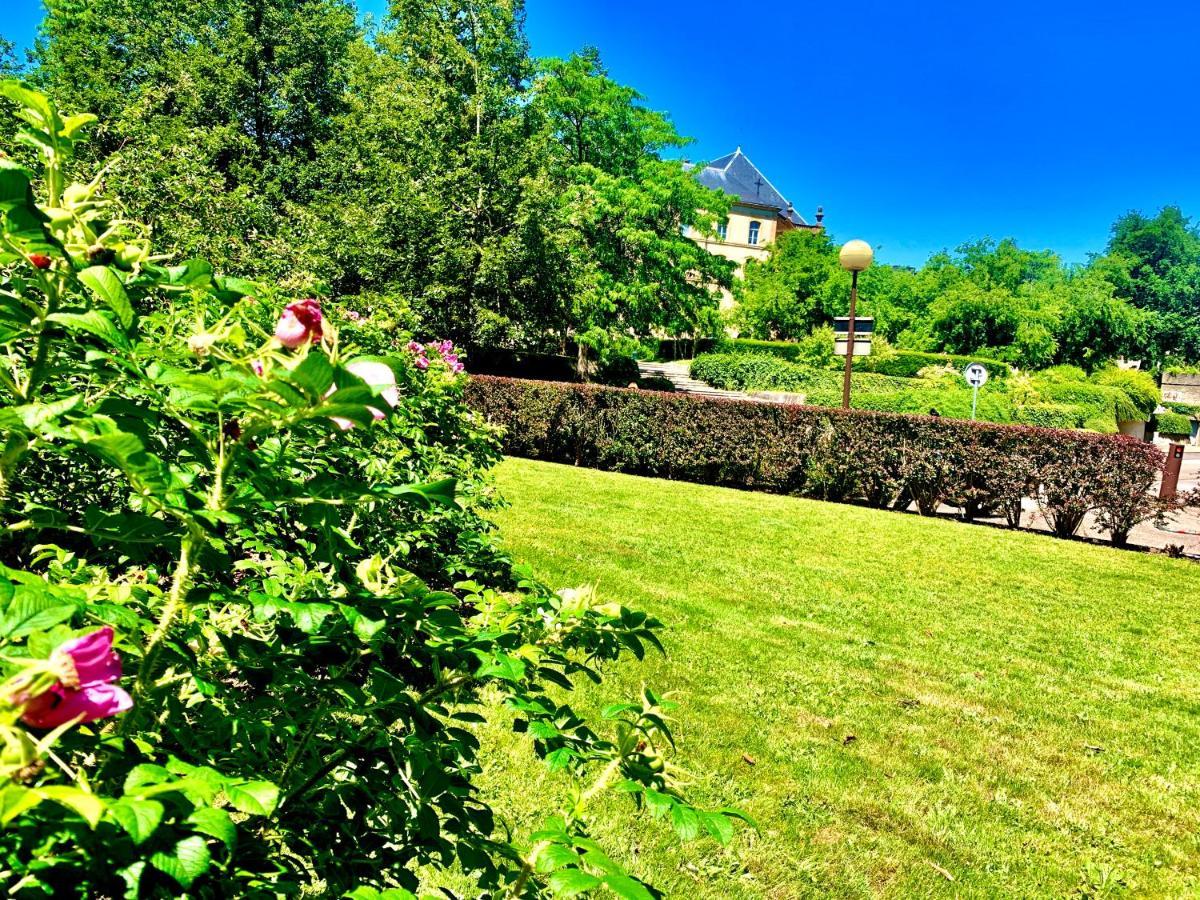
x,y
72,124
27,226
240,287
659,804
144,774
91,322
216,824
556,856
85,803
314,376
139,818
686,821
572,882
14,186
104,283
502,666
25,608
624,886
188,862
190,273
32,416
256,798
26,97
719,825
16,799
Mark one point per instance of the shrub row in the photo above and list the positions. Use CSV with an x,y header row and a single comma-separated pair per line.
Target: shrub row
x,y
882,459
762,372
1173,423
897,363
907,363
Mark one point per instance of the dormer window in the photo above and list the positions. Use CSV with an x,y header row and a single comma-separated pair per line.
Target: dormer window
x,y
754,226
722,230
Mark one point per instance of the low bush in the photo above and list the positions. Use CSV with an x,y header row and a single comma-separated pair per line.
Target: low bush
x,y
764,372
279,532
879,458
1191,410
1049,415
1101,406
908,363
1173,424
1138,386
896,363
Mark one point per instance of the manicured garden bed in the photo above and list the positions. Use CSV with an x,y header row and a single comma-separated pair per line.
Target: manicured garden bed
x,y
908,707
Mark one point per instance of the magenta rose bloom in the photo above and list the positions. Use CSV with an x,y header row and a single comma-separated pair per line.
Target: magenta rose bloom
x,y
300,321
88,669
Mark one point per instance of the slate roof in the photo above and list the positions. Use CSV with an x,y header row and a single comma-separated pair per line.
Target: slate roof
x,y
737,176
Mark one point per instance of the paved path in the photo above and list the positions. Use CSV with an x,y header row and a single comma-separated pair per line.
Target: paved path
x,y
679,374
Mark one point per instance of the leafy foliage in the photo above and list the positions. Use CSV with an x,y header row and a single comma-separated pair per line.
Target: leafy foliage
x,y
285,534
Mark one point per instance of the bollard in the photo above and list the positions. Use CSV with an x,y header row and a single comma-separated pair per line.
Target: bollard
x,y
1170,479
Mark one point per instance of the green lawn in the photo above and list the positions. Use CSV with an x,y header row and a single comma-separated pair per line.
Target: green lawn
x,y
932,709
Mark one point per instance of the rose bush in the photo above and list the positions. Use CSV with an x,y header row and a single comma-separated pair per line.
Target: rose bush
x,y
279,538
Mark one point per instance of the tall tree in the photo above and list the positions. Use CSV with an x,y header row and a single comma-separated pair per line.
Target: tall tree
x,y
216,107
636,269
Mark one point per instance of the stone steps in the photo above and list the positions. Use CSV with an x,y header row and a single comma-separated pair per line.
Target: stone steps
x,y
681,379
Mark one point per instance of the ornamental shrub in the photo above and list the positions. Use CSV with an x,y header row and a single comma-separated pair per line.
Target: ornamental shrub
x,y
1121,491
1049,415
909,363
848,455
1172,424
1138,386
279,537
894,362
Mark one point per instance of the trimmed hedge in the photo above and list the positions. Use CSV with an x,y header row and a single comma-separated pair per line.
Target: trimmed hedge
x,y
907,363
883,459
762,372
789,350
1172,423
898,363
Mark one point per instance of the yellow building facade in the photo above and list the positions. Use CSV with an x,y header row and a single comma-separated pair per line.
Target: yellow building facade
x,y
758,215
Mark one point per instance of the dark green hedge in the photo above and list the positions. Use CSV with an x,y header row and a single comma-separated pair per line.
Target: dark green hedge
x,y
880,458
907,363
898,363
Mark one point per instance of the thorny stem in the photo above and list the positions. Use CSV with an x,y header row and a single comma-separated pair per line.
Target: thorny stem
x,y
180,582
531,858
338,758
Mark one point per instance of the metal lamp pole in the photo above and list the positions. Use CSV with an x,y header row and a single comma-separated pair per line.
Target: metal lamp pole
x,y
850,339
855,256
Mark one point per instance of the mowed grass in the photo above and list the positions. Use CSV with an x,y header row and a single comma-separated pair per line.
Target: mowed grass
x,y
930,708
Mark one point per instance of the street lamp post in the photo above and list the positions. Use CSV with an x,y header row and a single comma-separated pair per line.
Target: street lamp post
x,y
855,256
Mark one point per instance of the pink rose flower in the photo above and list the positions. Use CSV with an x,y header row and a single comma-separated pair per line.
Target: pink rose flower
x,y
88,669
414,347
300,321
257,366
422,363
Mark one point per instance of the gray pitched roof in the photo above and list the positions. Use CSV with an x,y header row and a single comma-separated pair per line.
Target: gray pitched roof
x,y
737,176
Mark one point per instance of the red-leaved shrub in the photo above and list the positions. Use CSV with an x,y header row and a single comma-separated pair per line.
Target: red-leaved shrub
x,y
884,459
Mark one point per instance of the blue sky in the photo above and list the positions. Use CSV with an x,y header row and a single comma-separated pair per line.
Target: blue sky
x,y
916,125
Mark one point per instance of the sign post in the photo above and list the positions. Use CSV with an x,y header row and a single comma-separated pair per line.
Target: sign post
x,y
977,377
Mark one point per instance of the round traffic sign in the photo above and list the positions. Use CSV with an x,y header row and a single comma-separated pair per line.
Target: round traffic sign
x,y
976,375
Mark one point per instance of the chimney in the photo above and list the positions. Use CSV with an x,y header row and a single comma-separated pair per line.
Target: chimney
x,y
820,214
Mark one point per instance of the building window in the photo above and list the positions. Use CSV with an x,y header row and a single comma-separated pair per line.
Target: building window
x,y
722,230
753,233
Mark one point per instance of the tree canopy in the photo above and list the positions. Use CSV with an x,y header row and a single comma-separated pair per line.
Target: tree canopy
x,y
426,168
